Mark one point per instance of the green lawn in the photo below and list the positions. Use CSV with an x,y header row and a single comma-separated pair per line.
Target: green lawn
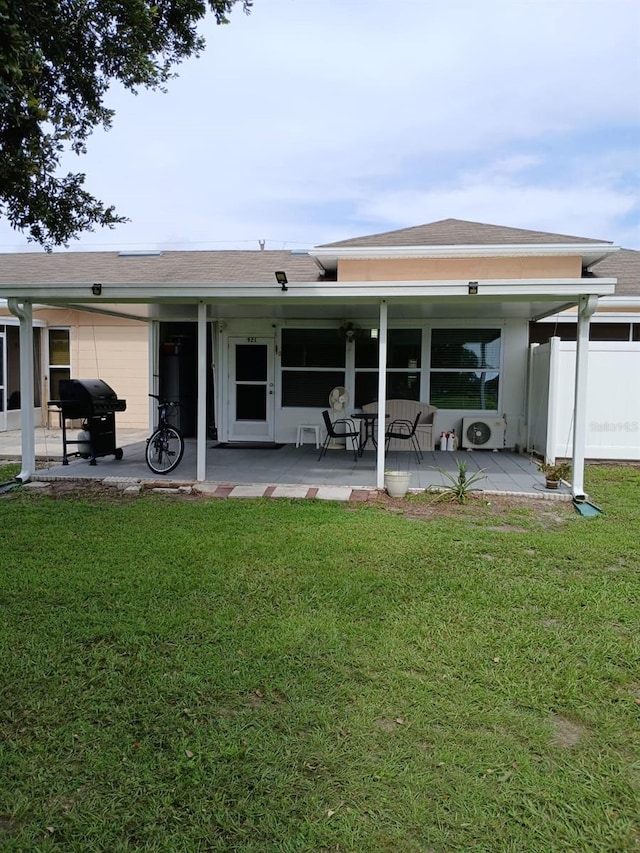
x,y
210,675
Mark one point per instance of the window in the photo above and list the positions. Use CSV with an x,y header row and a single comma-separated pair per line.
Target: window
x,y
313,362
403,366
59,360
12,367
465,368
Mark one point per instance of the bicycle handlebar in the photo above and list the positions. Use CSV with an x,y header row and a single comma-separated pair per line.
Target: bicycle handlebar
x,y
163,402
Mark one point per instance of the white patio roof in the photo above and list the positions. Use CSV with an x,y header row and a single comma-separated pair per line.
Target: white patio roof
x,y
516,298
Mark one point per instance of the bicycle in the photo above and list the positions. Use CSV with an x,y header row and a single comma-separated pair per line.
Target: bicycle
x,y
165,445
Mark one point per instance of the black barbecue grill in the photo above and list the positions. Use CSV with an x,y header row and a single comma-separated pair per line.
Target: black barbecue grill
x,y
95,403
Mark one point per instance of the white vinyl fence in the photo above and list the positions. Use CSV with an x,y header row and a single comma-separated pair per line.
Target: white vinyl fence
x,y
613,400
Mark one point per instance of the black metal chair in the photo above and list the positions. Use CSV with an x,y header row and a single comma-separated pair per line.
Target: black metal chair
x,y
404,430
348,430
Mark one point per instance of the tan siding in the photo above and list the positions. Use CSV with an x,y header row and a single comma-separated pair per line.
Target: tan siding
x,y
117,354
109,348
450,269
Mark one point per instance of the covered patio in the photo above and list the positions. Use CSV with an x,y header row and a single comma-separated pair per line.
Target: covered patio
x,y
288,465
437,314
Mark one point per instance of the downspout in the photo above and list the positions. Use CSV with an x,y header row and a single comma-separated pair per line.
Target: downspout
x,y
586,306
382,394
24,312
201,433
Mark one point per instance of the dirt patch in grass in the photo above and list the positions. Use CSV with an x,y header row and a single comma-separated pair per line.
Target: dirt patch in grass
x,y
496,508
565,733
479,509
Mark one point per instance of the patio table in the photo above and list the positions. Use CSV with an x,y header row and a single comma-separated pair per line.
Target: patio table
x,y
369,420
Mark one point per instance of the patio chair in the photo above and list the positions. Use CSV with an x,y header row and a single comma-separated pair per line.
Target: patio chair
x,y
347,429
404,430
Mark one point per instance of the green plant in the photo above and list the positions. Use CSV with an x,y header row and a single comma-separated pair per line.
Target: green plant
x,y
8,471
461,485
556,471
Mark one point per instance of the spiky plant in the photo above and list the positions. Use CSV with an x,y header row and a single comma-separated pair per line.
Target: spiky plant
x,y
460,486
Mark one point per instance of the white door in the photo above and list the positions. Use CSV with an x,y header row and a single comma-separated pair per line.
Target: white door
x,y
251,397
3,396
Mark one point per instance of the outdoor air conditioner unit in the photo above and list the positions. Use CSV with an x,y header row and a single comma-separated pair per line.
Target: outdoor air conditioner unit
x,y
483,433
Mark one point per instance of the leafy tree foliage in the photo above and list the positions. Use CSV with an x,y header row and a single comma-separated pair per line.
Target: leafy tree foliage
x,y
57,61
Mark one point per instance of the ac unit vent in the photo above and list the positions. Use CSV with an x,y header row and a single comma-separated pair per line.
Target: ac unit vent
x,y
483,433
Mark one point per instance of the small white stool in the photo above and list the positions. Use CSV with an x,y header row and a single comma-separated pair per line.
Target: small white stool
x,y
301,431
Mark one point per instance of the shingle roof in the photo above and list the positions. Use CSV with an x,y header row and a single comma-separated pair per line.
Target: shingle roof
x,y
194,266
625,266
458,232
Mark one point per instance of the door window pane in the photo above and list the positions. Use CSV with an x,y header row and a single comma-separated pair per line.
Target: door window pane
x,y
251,363
251,403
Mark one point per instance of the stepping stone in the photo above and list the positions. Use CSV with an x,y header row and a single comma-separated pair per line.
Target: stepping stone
x,y
289,492
247,492
333,493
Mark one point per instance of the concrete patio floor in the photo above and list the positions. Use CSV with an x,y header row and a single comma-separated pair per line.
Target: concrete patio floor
x,y
504,471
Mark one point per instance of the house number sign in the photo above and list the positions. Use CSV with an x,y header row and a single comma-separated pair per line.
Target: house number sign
x,y
251,340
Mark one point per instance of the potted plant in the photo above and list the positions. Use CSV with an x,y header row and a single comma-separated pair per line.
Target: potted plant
x,y
555,472
397,483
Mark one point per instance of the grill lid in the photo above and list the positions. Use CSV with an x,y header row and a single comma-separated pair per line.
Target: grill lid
x,y
85,397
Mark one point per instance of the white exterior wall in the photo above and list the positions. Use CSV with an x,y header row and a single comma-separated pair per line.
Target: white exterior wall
x,y
512,378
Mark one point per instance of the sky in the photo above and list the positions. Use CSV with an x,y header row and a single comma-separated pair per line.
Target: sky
x,y
310,121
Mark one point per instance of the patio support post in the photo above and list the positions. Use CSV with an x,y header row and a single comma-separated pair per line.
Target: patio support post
x,y
24,312
553,401
586,307
382,393
201,432
530,369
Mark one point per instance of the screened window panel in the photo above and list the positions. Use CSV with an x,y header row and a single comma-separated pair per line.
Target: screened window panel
x,y
465,348
366,389
309,388
404,349
366,354
312,348
464,390
400,386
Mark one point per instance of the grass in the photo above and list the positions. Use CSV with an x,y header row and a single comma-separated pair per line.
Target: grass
x,y
8,471
266,675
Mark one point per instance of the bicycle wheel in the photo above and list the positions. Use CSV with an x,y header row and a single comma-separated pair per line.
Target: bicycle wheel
x,y
164,450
